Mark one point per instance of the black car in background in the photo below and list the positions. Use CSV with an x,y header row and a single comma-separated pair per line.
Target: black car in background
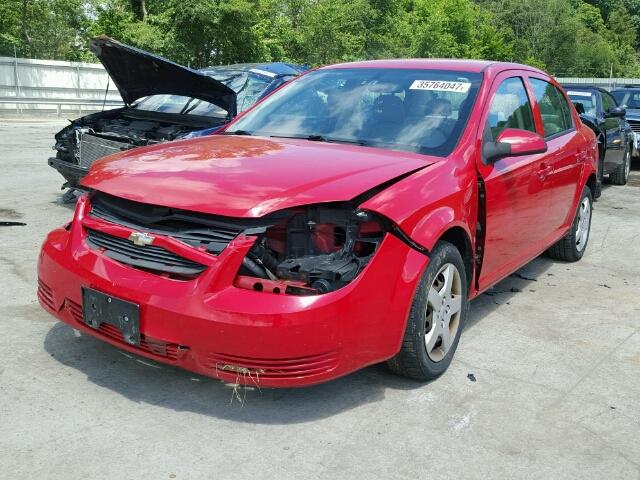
x,y
164,101
599,110
628,97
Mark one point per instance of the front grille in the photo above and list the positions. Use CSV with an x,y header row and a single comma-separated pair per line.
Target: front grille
x,y
45,295
92,148
635,125
274,368
210,232
156,259
147,344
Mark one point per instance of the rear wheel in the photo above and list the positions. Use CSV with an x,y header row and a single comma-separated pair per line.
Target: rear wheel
x,y
436,319
572,246
621,174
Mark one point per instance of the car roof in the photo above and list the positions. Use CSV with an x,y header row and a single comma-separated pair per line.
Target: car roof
x,y
438,64
275,68
627,88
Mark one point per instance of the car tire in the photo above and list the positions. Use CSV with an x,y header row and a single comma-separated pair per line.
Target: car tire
x,y
621,174
572,246
438,312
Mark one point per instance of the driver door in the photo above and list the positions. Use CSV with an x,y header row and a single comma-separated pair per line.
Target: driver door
x,y
514,187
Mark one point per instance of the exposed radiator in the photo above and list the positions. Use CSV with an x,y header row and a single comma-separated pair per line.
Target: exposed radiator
x,y
93,148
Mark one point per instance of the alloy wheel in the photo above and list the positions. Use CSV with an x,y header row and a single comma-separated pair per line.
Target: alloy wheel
x,y
444,305
583,224
627,164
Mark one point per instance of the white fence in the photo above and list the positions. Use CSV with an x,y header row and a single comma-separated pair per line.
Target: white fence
x,y
27,84
37,85
607,83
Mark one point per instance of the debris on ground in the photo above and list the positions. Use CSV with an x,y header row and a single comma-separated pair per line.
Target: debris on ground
x,y
523,277
13,224
471,377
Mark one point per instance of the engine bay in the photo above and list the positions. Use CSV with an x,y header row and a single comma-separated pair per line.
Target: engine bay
x,y
128,128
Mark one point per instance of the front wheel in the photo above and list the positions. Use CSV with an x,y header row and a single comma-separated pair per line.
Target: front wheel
x,y
437,315
571,247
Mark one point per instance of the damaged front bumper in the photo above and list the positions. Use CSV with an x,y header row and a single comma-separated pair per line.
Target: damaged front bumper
x,y
210,326
72,172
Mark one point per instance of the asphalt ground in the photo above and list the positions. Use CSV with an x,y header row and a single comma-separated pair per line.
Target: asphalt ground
x,y
545,383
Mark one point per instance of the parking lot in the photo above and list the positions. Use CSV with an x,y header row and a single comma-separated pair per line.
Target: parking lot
x,y
545,382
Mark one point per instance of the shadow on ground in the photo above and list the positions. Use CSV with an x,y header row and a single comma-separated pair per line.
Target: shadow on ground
x,y
146,381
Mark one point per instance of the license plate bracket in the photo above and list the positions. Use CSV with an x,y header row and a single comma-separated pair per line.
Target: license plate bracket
x,y
99,308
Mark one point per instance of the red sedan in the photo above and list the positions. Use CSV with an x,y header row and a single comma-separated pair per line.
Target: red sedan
x,y
345,220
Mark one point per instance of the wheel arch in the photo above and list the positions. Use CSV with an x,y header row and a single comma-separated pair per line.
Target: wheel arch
x,y
592,182
459,238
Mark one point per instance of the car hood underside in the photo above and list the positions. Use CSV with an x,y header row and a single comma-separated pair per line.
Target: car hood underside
x,y
248,176
138,74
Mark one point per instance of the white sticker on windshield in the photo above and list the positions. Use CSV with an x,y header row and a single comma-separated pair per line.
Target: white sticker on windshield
x,y
578,94
440,86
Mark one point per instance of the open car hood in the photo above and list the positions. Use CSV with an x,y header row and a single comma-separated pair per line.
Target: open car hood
x,y
247,176
138,74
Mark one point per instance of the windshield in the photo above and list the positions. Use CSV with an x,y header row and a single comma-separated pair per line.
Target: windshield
x,y
179,104
586,99
248,87
402,109
627,99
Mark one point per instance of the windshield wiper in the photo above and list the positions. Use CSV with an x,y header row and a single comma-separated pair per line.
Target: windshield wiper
x,y
323,138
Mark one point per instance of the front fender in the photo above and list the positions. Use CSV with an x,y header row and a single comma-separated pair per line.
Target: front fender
x,y
431,201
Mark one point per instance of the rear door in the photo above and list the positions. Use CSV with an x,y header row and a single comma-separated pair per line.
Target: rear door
x,y
614,131
562,157
514,187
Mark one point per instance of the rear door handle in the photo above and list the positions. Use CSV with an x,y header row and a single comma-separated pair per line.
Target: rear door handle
x,y
544,171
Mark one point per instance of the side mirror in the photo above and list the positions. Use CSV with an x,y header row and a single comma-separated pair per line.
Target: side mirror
x,y
513,142
615,112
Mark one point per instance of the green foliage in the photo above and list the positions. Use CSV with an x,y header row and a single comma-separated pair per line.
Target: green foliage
x,y
568,37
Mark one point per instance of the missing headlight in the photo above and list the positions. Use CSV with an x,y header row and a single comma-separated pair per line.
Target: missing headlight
x,y
313,250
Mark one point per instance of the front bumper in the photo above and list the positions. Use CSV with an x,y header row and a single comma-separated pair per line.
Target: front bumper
x,y
207,325
72,172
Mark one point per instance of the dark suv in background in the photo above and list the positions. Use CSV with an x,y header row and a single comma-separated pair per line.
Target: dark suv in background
x,y
629,98
599,110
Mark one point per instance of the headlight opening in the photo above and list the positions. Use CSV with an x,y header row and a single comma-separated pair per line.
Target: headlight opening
x,y
312,250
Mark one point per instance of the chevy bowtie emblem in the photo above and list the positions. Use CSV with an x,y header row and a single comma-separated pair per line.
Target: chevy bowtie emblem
x,y
141,238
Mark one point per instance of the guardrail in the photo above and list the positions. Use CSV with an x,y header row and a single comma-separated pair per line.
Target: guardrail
x,y
59,102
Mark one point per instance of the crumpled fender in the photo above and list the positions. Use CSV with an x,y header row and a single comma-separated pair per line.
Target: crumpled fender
x,y
431,201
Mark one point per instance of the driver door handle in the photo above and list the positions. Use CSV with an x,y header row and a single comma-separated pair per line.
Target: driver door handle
x,y
544,171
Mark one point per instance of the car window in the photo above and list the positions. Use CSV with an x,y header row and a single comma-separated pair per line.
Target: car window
x,y
556,115
585,98
626,98
607,102
179,104
249,87
510,108
417,110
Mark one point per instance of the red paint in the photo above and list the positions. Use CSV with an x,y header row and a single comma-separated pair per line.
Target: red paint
x,y
217,320
522,141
